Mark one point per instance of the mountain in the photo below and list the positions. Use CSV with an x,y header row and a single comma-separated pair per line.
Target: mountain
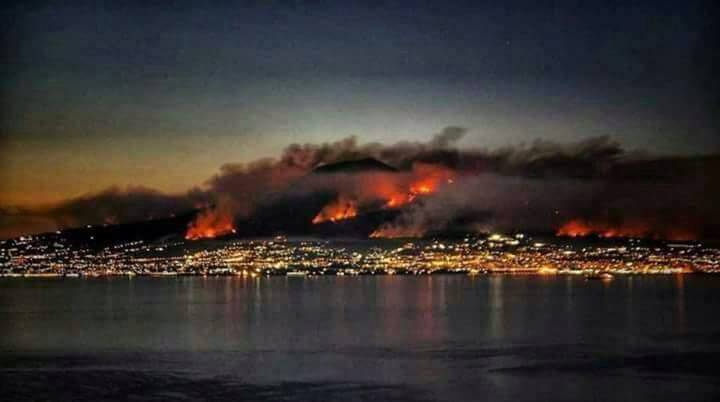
x,y
99,236
364,165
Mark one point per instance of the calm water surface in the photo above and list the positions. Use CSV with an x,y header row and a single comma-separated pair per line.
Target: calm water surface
x,y
440,338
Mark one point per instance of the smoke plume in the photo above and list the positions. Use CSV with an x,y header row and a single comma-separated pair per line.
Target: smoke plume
x,y
593,186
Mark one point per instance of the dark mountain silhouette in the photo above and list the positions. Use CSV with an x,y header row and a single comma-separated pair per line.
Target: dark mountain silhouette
x,y
288,216
364,165
100,236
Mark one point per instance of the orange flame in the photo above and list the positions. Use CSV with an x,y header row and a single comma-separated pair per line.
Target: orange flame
x,y
209,224
574,228
395,232
581,228
391,190
427,180
399,200
340,209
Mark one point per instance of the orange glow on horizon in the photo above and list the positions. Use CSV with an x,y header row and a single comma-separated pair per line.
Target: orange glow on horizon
x,y
635,229
392,232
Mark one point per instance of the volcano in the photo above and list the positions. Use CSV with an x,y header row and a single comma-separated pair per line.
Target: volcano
x,y
365,165
378,193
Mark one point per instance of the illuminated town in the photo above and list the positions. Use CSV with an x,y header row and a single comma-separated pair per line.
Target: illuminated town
x,y
51,256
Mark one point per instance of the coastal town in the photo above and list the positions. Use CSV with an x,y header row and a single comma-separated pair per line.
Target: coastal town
x,y
52,256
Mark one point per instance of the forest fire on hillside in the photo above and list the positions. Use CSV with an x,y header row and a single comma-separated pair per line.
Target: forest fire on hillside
x,y
582,228
210,223
340,209
635,229
427,179
386,191
394,232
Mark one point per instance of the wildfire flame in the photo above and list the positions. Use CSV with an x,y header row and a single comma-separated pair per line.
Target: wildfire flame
x,y
393,232
574,228
581,228
399,200
209,224
391,191
340,209
427,180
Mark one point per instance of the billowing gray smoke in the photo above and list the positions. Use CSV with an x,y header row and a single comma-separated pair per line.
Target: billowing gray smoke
x,y
594,184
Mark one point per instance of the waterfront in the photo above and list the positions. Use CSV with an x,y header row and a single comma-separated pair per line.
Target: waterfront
x,y
52,255
441,337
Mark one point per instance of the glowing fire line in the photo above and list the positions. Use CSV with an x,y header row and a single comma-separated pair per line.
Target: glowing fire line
x,y
341,209
209,224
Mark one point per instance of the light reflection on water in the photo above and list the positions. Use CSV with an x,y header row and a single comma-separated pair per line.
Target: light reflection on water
x,y
448,337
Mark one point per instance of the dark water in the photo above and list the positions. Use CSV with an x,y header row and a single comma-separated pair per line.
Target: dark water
x,y
449,338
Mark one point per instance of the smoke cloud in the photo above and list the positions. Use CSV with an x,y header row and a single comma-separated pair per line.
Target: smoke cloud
x,y
595,185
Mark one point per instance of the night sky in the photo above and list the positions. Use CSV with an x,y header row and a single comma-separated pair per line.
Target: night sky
x,y
161,94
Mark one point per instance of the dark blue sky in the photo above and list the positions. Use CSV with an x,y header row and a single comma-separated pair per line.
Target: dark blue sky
x,y
161,93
